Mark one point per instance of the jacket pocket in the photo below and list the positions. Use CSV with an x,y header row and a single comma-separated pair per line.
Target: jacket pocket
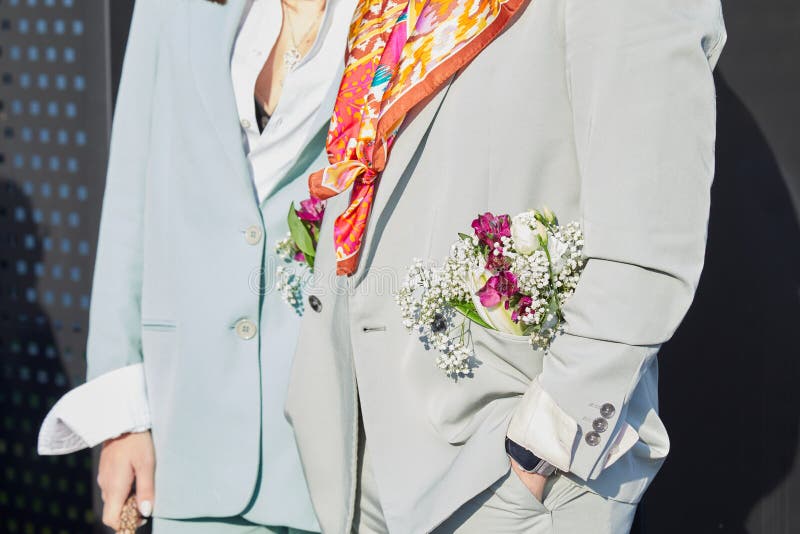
x,y
158,338
505,365
508,353
150,323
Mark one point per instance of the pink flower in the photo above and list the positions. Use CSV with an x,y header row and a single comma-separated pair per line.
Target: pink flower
x,y
490,229
498,287
524,302
311,210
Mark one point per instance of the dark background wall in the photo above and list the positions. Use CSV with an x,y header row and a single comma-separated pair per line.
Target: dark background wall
x,y
54,119
729,378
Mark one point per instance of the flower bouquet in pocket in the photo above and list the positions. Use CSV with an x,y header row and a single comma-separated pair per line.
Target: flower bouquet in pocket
x,y
511,274
298,250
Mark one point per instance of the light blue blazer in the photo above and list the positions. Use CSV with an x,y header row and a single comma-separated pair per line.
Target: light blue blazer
x,y
178,273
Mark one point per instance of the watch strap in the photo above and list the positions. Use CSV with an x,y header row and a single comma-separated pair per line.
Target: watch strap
x,y
529,462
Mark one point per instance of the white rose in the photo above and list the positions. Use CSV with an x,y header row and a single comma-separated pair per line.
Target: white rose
x,y
526,240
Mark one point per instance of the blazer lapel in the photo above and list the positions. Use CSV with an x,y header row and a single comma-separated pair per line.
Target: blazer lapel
x,y
212,30
407,144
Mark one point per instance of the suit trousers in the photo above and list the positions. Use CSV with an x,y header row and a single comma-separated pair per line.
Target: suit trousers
x,y
507,507
217,526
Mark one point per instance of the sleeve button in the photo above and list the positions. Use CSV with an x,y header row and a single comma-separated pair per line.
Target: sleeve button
x,y
592,439
607,410
600,425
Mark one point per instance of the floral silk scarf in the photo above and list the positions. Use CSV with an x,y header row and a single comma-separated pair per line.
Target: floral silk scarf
x,y
399,53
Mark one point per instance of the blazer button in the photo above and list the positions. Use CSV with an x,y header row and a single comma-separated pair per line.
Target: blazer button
x,y
607,410
253,234
600,424
315,303
246,329
593,439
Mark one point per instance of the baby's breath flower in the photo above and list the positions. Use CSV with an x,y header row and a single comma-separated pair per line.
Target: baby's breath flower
x,y
285,248
289,285
431,295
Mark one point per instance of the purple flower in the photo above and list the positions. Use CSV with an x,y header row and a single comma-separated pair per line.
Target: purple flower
x,y
524,302
299,256
490,229
311,210
502,285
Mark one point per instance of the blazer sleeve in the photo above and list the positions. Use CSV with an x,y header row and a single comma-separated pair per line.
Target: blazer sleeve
x,y
114,338
639,76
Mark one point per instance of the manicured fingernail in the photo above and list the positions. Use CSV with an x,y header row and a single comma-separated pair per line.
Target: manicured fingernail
x,y
143,523
145,508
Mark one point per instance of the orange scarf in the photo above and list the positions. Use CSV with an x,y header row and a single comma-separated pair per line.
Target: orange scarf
x,y
399,53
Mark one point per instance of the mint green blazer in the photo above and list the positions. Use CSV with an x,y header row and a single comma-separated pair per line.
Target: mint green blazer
x,y
176,272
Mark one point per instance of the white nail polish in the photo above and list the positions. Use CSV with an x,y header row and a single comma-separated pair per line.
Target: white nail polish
x,y
145,508
143,523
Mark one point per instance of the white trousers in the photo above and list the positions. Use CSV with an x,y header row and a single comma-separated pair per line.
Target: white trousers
x,y
507,507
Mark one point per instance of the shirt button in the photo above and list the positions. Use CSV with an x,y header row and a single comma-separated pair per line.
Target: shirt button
x,y
253,234
245,124
593,439
607,410
600,424
245,328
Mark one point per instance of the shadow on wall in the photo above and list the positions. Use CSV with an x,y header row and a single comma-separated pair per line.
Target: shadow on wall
x,y
730,378
37,494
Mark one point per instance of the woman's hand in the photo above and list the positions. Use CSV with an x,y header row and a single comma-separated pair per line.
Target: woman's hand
x,y
124,461
534,482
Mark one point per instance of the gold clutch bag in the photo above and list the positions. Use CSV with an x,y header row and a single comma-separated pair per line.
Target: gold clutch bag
x,y
129,518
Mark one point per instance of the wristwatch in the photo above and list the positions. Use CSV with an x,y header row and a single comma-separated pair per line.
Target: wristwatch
x,y
529,462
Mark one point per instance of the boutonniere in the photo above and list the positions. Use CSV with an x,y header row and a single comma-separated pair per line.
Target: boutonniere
x,y
298,249
511,275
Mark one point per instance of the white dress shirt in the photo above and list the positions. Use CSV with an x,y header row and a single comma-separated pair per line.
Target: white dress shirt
x,y
116,402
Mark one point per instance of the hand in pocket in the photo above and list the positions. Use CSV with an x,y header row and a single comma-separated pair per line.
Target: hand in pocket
x,y
534,482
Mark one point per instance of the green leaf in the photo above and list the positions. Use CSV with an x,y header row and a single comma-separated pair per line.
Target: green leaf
x,y
300,234
464,236
467,309
554,308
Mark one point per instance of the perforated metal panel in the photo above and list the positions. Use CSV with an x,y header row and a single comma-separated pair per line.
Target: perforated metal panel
x,y
54,117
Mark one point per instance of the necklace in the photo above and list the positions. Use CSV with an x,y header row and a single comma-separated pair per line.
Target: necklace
x,y
292,56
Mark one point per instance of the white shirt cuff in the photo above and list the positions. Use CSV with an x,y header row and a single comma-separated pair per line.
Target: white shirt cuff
x,y
104,408
542,427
